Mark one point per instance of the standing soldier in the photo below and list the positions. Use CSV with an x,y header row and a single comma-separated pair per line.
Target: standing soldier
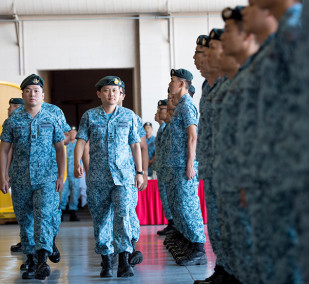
x,y
34,133
162,173
273,170
112,133
240,45
188,218
71,184
150,139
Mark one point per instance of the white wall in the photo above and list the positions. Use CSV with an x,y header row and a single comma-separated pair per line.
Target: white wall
x,y
112,43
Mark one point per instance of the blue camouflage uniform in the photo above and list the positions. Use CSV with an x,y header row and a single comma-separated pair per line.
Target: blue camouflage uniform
x,y
224,243
187,216
246,136
205,91
111,175
272,165
71,184
297,141
135,225
206,172
165,174
60,118
151,151
160,168
240,258
32,178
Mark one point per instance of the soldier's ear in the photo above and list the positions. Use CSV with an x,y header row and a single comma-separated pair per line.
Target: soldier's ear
x,y
98,94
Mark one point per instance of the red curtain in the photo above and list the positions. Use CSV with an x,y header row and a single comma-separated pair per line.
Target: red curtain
x,y
149,208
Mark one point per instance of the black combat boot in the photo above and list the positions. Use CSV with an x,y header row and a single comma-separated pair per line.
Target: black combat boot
x,y
196,257
55,256
124,268
16,248
32,265
43,269
107,265
168,229
136,257
73,216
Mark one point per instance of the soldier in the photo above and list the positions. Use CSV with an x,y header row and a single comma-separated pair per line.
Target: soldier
x,y
263,24
71,184
206,161
56,220
150,139
14,103
136,257
187,216
241,45
273,170
296,146
112,132
33,180
161,169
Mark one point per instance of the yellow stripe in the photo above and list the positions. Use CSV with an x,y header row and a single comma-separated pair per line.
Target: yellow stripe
x,y
9,84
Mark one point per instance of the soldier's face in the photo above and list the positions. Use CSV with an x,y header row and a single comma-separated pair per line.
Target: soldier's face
x,y
227,63
175,85
198,56
157,119
163,113
148,130
215,50
33,95
109,95
254,18
12,107
170,105
232,39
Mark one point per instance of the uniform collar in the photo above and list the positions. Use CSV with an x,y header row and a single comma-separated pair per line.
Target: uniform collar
x,y
184,97
102,111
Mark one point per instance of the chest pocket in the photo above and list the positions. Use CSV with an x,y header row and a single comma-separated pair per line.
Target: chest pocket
x,y
46,129
98,130
123,128
21,131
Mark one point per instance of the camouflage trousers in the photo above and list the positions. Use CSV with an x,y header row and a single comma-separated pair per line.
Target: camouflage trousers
x,y
213,226
134,221
185,206
71,186
162,177
34,208
109,206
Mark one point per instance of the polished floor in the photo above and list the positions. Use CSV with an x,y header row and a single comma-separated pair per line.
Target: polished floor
x,y
80,264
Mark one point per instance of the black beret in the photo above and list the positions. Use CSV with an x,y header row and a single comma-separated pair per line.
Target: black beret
x,y
108,81
73,127
16,101
235,14
33,79
202,40
147,124
216,34
162,103
182,73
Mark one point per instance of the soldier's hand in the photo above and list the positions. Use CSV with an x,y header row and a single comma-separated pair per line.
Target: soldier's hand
x,y
145,183
59,184
138,181
78,171
4,186
190,173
